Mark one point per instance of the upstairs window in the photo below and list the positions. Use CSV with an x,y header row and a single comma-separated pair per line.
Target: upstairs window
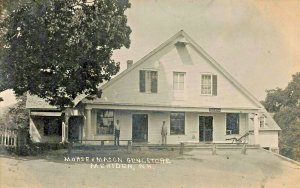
x,y
208,84
178,81
105,122
148,81
232,123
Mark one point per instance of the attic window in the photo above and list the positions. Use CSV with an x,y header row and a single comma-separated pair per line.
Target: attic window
x,y
208,84
148,81
178,81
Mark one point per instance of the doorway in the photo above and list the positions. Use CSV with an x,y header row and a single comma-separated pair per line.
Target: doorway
x,y
75,128
140,127
205,128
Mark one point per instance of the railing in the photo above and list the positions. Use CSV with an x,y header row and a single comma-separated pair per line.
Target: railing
x,y
242,139
213,145
8,138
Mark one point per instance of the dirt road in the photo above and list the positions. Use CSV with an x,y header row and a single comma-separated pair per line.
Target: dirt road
x,y
196,168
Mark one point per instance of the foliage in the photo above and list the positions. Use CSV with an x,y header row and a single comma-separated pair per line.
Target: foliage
x,y
18,116
285,103
58,49
9,5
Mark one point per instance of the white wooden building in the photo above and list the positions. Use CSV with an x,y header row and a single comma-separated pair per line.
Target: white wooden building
x,y
179,83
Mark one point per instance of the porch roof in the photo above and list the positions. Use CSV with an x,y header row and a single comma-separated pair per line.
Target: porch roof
x,y
35,102
147,107
45,113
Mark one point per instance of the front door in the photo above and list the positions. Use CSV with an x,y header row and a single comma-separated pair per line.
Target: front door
x,y
139,127
205,128
75,126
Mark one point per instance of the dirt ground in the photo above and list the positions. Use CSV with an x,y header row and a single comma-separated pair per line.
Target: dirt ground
x,y
149,168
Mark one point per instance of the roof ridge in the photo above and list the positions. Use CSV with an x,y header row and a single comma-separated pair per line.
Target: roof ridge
x,y
201,51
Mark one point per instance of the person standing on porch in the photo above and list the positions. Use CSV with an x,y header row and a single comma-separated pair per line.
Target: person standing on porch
x,y
117,133
164,133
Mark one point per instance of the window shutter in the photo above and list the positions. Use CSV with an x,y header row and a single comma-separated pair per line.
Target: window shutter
x,y
214,85
142,81
153,82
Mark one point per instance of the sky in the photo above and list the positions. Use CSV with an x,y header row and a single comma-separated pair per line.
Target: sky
x,y
256,41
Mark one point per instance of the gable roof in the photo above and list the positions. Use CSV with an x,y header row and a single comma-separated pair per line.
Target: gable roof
x,y
183,37
270,122
35,102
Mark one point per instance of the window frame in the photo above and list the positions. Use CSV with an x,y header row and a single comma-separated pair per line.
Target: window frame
x,y
213,84
149,83
175,126
206,74
177,81
238,126
98,126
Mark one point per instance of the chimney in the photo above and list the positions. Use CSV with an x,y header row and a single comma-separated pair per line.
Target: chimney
x,y
129,63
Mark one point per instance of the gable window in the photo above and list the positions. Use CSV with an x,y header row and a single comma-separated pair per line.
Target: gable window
x,y
208,84
232,123
148,81
178,81
52,126
177,123
262,121
105,122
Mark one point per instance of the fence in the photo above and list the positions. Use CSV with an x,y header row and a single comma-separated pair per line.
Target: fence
x,y
8,138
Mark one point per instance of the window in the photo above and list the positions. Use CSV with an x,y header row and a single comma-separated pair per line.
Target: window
x,y
177,120
208,84
105,122
178,81
232,123
52,126
262,121
148,81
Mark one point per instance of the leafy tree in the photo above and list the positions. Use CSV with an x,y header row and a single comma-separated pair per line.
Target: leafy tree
x,y
17,115
285,103
58,49
9,5
6,6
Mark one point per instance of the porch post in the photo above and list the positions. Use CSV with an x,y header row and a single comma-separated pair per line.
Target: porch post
x,y
8,138
256,131
16,138
88,124
63,134
65,122
5,137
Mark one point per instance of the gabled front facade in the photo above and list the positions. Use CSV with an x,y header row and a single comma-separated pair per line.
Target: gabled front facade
x,y
178,83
